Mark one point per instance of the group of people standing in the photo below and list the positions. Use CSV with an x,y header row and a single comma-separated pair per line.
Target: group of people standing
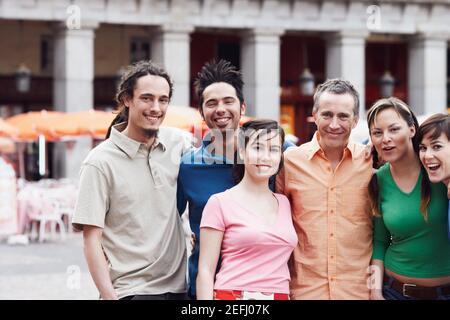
x,y
269,220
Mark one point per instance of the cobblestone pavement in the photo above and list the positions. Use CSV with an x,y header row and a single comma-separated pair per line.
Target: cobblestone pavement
x,y
51,270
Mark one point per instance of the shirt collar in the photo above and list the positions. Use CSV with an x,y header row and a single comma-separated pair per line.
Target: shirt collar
x,y
131,146
316,148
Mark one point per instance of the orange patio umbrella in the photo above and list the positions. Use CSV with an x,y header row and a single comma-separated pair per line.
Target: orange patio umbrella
x,y
32,124
93,122
182,117
6,129
96,122
59,125
69,125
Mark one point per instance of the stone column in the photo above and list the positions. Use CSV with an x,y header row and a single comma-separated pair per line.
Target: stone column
x,y
171,49
346,59
73,88
427,73
260,61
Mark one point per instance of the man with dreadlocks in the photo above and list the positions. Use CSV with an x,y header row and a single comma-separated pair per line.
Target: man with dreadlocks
x,y
133,237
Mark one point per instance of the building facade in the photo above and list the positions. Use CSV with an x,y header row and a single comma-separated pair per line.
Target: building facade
x,y
75,49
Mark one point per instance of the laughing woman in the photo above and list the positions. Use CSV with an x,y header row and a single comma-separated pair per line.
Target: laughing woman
x,y
248,226
434,151
411,251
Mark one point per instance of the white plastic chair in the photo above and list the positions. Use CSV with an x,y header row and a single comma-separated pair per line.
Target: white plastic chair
x,y
66,214
54,218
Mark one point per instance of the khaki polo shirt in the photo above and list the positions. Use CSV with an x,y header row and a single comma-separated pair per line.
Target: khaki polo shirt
x,y
129,190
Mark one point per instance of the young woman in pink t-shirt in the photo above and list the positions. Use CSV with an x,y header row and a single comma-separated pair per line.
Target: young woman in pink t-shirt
x,y
248,226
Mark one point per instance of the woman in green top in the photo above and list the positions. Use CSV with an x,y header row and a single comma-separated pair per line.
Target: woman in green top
x,y
411,252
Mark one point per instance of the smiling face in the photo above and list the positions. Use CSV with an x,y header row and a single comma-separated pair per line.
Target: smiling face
x,y
148,105
221,108
435,157
262,154
391,135
335,119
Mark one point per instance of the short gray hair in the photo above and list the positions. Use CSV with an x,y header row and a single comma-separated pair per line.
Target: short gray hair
x,y
337,86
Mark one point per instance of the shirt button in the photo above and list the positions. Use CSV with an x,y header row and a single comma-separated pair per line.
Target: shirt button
x,y
331,257
331,211
331,234
331,189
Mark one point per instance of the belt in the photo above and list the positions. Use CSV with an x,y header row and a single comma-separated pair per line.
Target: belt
x,y
410,290
247,295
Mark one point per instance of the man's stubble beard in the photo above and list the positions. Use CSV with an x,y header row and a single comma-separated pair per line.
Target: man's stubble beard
x,y
150,133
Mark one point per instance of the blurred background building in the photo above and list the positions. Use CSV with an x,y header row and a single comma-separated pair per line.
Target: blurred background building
x,y
67,55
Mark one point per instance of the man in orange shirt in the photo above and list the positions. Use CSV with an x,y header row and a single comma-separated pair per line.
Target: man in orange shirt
x,y
326,181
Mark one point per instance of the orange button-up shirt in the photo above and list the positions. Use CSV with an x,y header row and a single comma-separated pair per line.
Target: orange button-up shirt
x,y
331,215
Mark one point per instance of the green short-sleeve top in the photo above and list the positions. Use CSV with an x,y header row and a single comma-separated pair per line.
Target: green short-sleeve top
x,y
408,244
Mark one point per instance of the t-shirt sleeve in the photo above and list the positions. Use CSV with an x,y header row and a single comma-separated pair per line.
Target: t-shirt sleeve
x,y
381,239
93,199
212,216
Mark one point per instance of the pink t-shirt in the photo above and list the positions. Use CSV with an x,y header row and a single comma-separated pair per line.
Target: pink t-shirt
x,y
254,255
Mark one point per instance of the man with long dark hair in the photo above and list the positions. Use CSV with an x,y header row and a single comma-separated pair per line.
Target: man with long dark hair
x,y
133,237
